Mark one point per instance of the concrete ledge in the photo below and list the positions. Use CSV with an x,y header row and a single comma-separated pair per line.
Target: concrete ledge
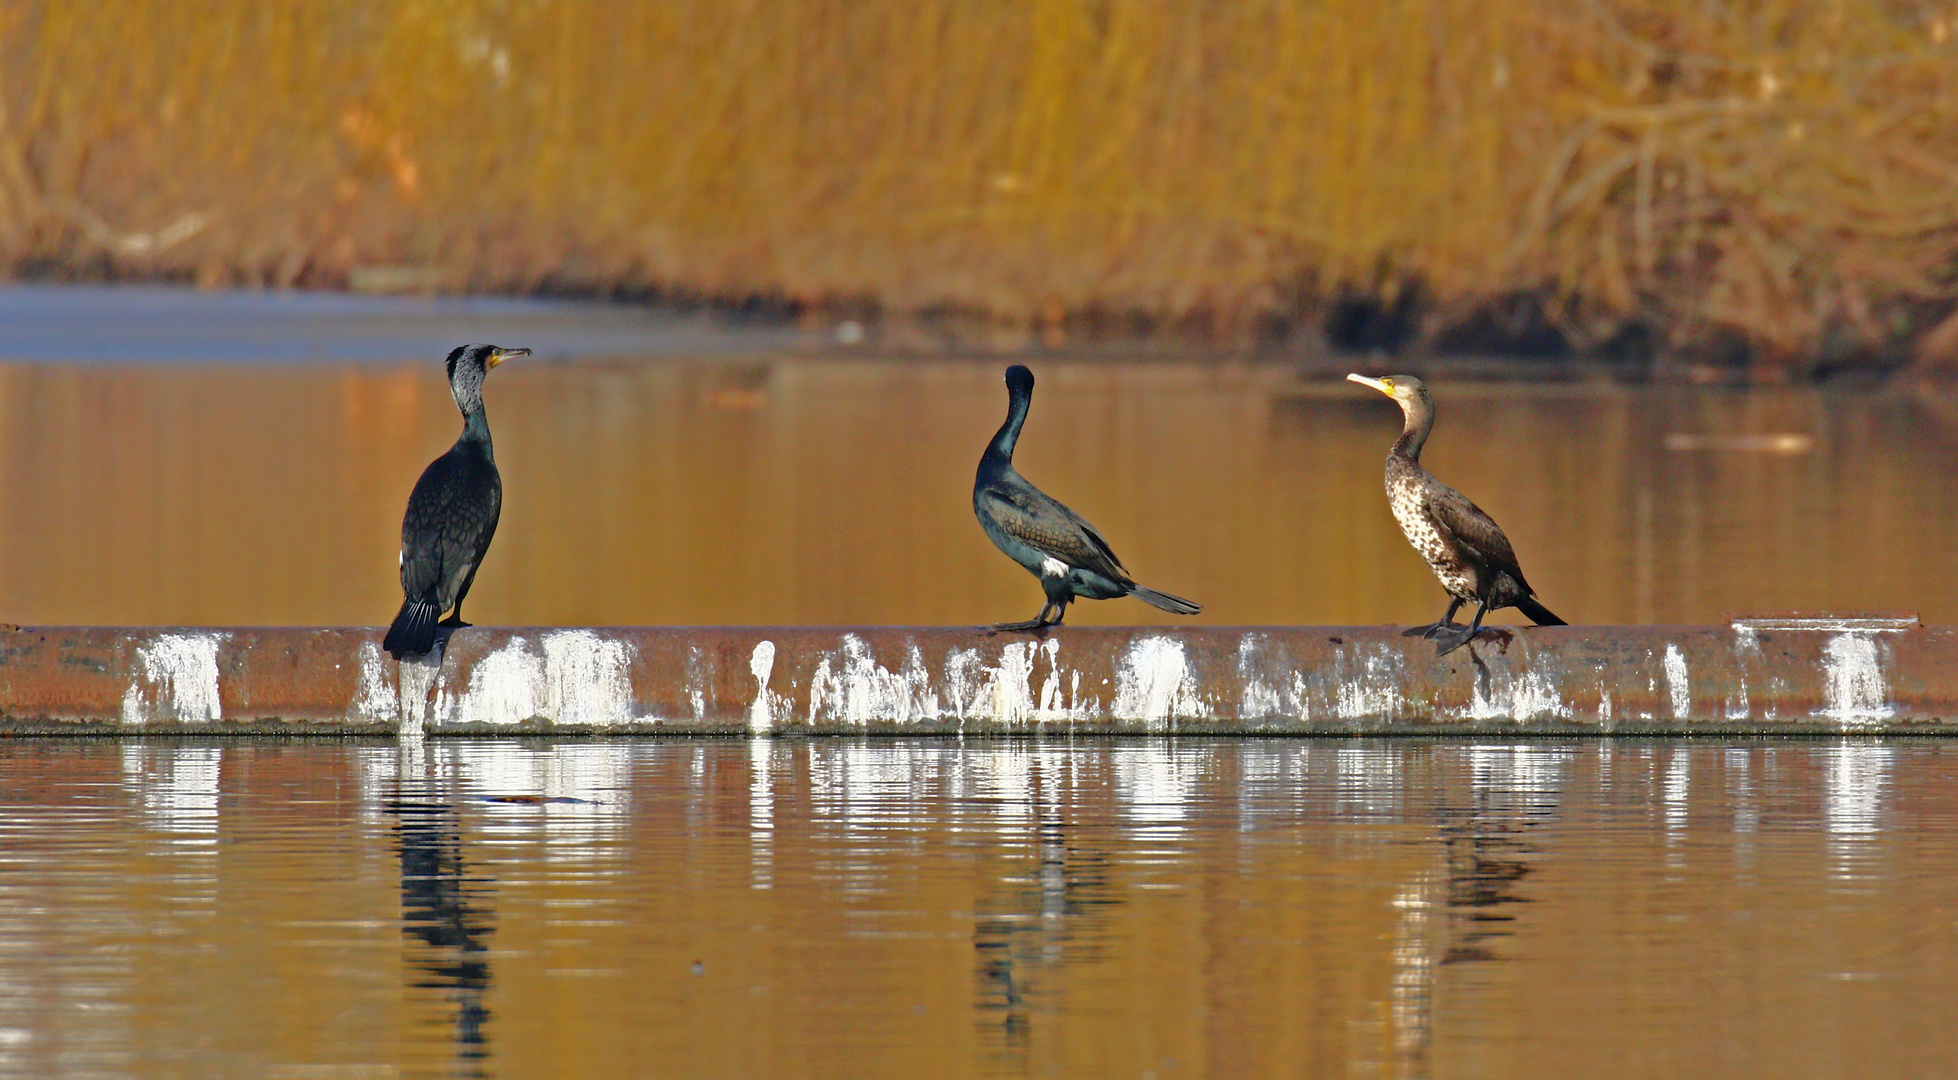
x,y
1764,676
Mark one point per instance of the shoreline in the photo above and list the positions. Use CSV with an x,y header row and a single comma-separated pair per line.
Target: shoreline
x,y
144,322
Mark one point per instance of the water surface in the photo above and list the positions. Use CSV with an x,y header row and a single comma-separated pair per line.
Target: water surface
x,y
786,489
1087,908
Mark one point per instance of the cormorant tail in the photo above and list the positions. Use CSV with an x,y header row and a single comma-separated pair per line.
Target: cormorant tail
x,y
1175,605
1537,613
413,632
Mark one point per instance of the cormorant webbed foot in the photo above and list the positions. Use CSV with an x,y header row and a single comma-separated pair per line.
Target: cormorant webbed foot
x,y
1449,639
1030,626
454,622
1431,631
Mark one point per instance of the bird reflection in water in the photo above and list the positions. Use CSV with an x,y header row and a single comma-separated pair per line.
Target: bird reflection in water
x,y
1456,916
1486,858
1486,838
440,909
1034,925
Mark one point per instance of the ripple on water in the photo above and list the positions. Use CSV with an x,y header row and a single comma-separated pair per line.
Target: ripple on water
x,y
920,907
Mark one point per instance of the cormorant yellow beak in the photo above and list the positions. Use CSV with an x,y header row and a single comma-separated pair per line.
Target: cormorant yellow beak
x,y
1383,385
501,355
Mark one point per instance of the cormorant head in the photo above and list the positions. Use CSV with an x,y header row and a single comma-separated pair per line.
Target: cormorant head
x,y
1019,380
467,366
1405,389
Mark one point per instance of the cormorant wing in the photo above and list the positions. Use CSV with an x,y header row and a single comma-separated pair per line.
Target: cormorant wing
x,y
1475,530
450,517
1038,519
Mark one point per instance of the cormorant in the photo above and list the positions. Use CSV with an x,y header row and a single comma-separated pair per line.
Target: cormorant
x,y
1463,545
451,514
1051,541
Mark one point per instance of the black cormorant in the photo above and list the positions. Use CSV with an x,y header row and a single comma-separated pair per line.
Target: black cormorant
x,y
451,514
1051,541
1464,546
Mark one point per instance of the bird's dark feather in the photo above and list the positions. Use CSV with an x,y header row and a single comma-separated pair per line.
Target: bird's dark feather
x,y
451,518
1455,515
1038,519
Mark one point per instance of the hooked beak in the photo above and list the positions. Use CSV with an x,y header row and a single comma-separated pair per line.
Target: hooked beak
x,y
502,354
1377,384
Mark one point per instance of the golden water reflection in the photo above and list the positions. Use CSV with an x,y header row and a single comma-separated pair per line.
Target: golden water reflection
x,y
1091,908
838,492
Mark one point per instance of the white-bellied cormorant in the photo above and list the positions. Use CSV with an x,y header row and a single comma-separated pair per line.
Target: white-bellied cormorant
x,y
1463,545
451,514
1051,541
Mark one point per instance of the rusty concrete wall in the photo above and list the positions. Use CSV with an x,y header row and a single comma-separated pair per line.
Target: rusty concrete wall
x,y
1781,676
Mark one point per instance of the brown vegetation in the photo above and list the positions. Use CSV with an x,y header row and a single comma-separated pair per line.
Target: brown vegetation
x,y
1775,181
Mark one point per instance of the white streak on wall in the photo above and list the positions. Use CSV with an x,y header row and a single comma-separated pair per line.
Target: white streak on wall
x,y
761,664
1737,707
177,679
571,677
1050,687
1003,693
1010,695
503,689
417,681
1373,690
587,678
1509,697
1155,684
861,691
1747,653
964,677
700,674
1854,691
1676,683
1258,699
1535,695
374,700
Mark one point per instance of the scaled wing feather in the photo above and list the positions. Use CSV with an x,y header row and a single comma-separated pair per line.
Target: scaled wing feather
x,y
1040,520
1475,530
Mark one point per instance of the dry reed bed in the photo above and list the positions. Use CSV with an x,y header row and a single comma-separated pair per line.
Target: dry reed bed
x,y
1778,173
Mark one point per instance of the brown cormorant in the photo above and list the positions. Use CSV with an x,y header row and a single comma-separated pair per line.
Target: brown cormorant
x,y
1051,541
451,514
1463,545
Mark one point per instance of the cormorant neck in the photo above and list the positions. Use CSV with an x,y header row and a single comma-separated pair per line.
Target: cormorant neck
x,y
1009,433
1418,419
475,428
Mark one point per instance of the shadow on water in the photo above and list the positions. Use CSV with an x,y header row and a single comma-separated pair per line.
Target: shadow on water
x,y
444,920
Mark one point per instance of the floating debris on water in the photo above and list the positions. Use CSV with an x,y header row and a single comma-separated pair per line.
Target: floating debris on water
x,y
1785,442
